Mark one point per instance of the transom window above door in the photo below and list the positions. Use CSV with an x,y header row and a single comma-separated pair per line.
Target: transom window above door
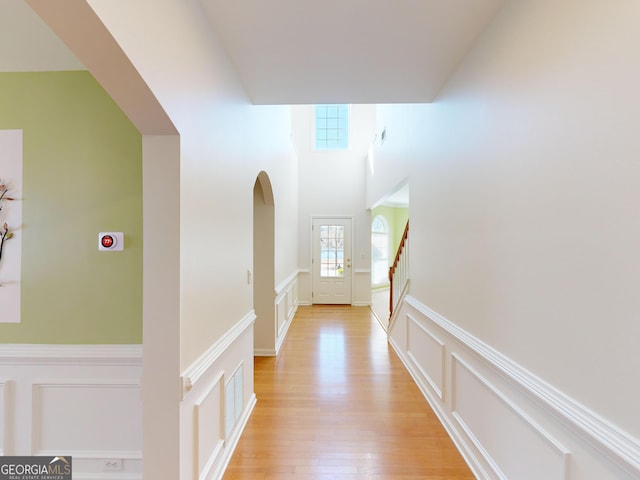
x,y
332,127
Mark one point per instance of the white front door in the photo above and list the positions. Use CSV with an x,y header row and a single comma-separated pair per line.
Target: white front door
x,y
331,260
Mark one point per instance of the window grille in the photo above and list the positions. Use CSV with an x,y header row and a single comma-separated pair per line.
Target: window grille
x,y
332,127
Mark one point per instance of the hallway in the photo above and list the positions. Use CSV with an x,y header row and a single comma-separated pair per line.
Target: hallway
x,y
337,403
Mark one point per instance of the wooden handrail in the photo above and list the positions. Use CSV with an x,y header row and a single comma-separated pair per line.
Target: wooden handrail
x,y
394,266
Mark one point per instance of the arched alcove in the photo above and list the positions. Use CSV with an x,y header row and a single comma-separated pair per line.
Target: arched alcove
x,y
264,266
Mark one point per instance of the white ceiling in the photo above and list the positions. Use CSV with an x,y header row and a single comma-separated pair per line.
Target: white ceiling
x,y
303,51
347,51
27,44
399,198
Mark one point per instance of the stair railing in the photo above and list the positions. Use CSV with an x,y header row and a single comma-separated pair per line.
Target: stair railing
x,y
399,272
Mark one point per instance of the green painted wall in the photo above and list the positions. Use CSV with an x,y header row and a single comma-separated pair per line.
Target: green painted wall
x,y
82,174
397,219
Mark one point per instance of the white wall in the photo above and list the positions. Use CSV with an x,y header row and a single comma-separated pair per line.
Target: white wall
x,y
524,180
161,303
332,183
224,143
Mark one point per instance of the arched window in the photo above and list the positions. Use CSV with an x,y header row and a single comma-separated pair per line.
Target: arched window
x,y
379,251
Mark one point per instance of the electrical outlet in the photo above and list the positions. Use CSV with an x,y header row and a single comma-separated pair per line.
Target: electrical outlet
x,y
112,465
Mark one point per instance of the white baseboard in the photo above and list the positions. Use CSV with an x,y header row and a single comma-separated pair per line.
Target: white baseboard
x,y
264,352
506,422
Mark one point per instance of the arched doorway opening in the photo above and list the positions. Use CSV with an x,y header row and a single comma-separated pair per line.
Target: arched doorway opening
x,y
264,333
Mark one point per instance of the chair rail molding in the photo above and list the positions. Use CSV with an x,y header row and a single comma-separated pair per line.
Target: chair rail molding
x,y
474,367
202,365
35,354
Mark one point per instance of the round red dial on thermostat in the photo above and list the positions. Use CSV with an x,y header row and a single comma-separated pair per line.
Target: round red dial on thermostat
x,y
107,241
110,241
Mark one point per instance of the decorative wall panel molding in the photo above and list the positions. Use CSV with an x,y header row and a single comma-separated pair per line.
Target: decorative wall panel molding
x,y
428,354
201,366
488,417
209,428
286,305
502,416
6,417
69,416
287,282
216,408
78,400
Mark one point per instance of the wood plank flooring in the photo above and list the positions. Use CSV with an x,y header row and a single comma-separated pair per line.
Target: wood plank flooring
x,y
338,404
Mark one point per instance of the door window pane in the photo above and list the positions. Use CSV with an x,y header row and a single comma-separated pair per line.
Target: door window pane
x,y
331,250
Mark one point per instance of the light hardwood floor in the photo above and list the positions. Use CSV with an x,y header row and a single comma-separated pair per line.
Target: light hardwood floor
x,y
338,404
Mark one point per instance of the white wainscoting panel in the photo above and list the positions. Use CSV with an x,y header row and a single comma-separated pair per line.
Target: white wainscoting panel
x,y
77,400
5,418
83,418
286,305
281,314
209,428
428,353
218,399
506,422
501,431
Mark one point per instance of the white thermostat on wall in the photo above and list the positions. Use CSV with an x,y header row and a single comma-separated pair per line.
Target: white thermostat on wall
x,y
111,241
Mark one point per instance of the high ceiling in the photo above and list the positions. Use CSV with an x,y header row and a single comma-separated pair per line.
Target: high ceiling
x,y
347,51
27,44
302,51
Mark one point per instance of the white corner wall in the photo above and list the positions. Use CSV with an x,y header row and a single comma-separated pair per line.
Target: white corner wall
x,y
523,178
224,142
